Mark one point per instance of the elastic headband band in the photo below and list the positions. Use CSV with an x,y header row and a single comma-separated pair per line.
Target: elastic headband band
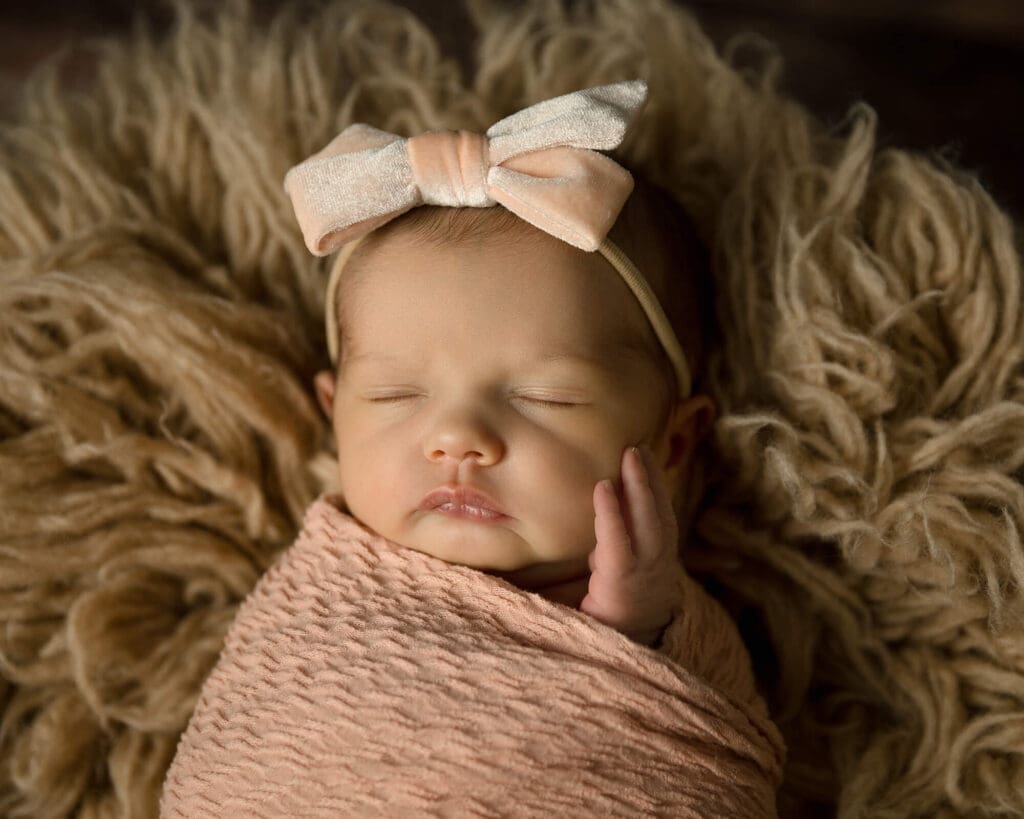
x,y
629,272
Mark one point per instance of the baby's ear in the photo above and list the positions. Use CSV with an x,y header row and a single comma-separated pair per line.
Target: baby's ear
x,y
323,383
692,419
707,415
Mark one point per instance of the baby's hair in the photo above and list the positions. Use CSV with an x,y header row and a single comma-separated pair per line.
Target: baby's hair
x,y
658,235
653,230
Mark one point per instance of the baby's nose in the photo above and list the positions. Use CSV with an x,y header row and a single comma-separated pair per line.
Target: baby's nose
x,y
441,454
462,435
481,450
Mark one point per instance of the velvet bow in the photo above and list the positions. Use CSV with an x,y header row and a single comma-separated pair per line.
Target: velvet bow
x,y
540,163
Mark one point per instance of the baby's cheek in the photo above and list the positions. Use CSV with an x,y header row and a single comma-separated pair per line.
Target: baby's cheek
x,y
365,478
563,462
564,489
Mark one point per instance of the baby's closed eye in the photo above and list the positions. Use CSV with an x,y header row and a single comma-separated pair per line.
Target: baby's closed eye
x,y
545,401
559,404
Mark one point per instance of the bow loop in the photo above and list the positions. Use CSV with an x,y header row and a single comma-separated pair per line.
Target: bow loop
x,y
594,118
331,214
571,193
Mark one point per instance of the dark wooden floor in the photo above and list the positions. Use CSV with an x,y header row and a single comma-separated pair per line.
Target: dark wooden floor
x,y
943,75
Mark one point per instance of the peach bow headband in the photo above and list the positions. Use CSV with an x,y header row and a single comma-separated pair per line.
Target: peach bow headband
x,y
541,163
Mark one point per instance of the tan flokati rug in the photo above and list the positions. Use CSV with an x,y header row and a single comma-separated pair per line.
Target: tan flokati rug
x,y
159,437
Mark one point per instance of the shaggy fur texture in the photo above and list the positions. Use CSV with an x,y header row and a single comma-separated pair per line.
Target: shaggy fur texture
x,y
160,325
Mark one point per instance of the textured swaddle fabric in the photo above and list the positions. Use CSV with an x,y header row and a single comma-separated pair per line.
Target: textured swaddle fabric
x,y
161,324
363,678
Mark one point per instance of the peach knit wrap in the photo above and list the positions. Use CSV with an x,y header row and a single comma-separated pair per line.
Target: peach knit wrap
x,y
363,678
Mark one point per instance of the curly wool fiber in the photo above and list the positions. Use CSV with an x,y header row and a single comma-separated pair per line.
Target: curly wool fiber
x,y
159,437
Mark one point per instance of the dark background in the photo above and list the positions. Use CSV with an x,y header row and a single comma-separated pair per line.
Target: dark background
x,y
944,75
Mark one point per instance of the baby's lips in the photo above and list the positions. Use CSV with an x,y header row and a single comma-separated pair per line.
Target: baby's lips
x,y
461,495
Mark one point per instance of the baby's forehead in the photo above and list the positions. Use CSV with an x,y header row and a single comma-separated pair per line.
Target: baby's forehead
x,y
559,295
609,352
547,271
571,320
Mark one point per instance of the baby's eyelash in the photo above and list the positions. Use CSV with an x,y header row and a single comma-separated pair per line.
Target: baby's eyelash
x,y
560,404
390,399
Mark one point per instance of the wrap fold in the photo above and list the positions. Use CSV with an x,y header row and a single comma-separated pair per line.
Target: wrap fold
x,y
363,678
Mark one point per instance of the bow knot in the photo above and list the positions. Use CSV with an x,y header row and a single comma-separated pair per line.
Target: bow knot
x,y
541,163
450,168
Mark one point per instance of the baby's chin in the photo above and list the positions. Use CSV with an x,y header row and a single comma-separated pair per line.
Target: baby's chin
x,y
483,546
496,549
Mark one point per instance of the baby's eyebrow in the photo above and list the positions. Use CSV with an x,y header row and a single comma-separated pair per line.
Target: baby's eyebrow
x,y
612,352
547,358
353,359
606,353
596,361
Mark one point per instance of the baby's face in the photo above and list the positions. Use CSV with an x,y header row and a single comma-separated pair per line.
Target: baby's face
x,y
500,365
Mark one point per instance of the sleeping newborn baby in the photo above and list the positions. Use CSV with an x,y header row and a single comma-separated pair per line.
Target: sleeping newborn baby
x,y
503,397
501,401
464,622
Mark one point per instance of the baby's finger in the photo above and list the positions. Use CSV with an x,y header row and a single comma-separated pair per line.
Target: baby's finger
x,y
651,523
662,499
613,553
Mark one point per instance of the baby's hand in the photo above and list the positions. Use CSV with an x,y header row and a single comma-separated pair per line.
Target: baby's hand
x,y
634,581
